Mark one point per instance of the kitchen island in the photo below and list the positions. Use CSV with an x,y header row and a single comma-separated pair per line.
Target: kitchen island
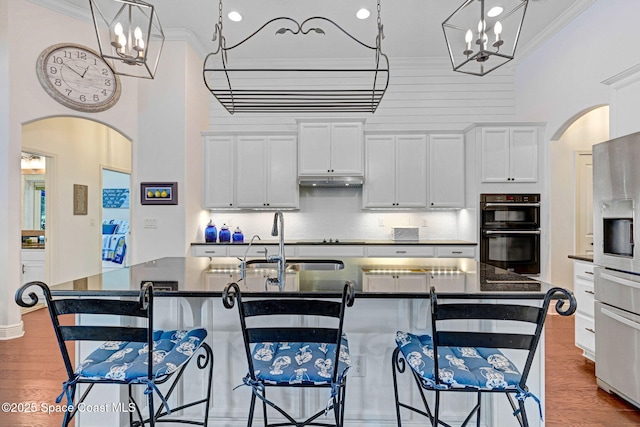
x,y
391,295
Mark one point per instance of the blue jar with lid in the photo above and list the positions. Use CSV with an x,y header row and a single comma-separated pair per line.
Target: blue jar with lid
x,y
210,233
237,236
225,234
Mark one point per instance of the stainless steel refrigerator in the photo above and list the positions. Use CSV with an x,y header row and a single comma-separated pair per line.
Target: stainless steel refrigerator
x,y
616,198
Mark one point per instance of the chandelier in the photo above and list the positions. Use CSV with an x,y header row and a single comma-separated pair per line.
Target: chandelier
x,y
482,35
129,35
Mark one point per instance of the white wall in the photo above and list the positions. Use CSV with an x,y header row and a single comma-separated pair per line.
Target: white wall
x,y
589,129
163,118
563,77
10,323
173,112
423,95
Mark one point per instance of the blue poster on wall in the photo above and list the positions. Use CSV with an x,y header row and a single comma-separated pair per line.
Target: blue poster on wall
x,y
116,198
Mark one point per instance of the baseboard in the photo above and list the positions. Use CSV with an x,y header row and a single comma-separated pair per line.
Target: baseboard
x,y
8,332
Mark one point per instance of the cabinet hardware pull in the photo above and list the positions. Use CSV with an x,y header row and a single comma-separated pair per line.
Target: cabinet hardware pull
x,y
489,232
456,252
401,252
589,272
22,268
261,252
209,252
519,205
590,292
590,330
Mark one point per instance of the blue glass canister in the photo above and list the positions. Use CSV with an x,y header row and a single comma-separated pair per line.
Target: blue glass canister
x,y
210,233
237,236
225,234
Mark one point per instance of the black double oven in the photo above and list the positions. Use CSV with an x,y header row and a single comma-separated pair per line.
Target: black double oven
x,y
510,232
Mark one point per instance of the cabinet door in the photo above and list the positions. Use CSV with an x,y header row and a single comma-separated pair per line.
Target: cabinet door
x,y
314,153
446,171
282,172
495,154
411,171
412,283
218,172
251,172
523,154
380,177
379,283
346,148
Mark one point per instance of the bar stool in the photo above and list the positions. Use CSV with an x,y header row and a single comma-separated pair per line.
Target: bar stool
x,y
281,355
469,360
128,355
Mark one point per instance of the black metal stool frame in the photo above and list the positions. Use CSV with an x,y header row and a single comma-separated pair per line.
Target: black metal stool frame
x,y
292,306
451,338
140,308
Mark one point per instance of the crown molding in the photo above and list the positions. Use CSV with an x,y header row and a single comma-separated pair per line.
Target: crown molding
x,y
80,13
554,27
183,34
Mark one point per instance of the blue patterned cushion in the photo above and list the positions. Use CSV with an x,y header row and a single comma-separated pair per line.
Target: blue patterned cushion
x,y
127,361
299,363
475,367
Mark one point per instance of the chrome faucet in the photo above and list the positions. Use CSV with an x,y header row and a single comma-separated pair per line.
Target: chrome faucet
x,y
278,220
243,263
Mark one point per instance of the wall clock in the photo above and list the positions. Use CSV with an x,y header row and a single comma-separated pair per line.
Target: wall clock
x,y
77,77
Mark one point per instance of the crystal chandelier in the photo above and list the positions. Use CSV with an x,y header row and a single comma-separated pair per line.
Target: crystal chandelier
x,y
482,35
129,35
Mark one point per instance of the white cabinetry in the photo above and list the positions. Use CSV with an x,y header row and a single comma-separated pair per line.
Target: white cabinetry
x,y
395,171
405,282
458,251
509,154
32,265
327,149
446,171
266,172
250,171
219,160
585,334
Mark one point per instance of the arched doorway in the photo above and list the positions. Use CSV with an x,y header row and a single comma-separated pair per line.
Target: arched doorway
x,y
77,150
571,206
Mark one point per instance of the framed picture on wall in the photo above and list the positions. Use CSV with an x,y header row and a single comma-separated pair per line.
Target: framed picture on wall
x,y
159,193
80,199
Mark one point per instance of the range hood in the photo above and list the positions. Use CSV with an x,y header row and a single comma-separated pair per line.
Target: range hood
x,y
330,181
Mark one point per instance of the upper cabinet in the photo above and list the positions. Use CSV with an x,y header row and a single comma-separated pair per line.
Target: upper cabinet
x,y
250,171
266,173
509,154
219,161
395,171
330,148
446,171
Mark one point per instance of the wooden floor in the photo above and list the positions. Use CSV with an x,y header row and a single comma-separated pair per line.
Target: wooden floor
x,y
32,372
573,398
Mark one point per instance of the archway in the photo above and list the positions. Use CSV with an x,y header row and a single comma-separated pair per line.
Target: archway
x,y
570,187
77,150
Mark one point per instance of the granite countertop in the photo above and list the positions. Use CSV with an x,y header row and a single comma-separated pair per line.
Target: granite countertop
x,y
348,242
582,257
200,277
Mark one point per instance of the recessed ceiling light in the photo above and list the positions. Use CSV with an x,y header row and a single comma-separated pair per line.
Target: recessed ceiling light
x,y
235,16
494,11
363,13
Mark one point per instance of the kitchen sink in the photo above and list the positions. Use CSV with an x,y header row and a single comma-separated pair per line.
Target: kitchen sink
x,y
298,264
